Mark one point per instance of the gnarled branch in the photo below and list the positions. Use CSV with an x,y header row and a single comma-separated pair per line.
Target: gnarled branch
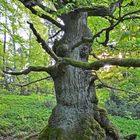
x,y
126,16
100,10
95,11
31,69
107,30
96,65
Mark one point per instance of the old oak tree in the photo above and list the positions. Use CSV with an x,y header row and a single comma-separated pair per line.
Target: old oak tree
x,y
77,115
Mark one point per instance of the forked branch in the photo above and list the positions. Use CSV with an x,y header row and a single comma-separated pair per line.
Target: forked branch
x,y
127,16
41,15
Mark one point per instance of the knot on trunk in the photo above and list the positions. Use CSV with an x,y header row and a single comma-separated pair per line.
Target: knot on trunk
x,y
85,50
61,48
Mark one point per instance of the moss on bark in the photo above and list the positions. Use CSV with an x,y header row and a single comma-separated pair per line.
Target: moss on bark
x,y
90,129
101,116
52,134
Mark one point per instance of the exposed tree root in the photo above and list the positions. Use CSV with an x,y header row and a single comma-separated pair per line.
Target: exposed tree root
x,y
32,136
130,137
101,117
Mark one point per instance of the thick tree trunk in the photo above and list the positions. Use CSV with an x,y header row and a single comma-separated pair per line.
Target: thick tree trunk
x,y
76,115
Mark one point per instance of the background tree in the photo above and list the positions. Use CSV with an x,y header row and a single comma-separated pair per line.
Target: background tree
x,y
19,46
77,115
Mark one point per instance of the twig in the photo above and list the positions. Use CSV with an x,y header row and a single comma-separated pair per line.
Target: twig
x,y
55,34
46,9
23,85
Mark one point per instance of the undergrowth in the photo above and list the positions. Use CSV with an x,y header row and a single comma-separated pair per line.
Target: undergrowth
x,y
23,115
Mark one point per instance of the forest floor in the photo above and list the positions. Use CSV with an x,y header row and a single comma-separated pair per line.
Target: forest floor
x,y
21,116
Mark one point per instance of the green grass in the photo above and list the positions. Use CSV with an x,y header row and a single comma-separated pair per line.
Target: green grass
x,y
127,126
22,115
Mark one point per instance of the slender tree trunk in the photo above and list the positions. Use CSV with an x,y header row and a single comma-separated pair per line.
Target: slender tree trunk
x,y
76,115
12,78
4,56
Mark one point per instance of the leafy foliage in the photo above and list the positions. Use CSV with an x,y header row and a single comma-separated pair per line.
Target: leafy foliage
x,y
121,105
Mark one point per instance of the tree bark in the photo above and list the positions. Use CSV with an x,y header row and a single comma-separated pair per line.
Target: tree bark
x,y
76,115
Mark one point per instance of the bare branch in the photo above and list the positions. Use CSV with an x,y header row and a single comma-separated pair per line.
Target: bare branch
x,y
130,13
55,34
95,11
46,9
30,69
23,85
107,36
126,16
107,30
113,88
46,17
96,65
100,10
132,17
43,43
41,15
